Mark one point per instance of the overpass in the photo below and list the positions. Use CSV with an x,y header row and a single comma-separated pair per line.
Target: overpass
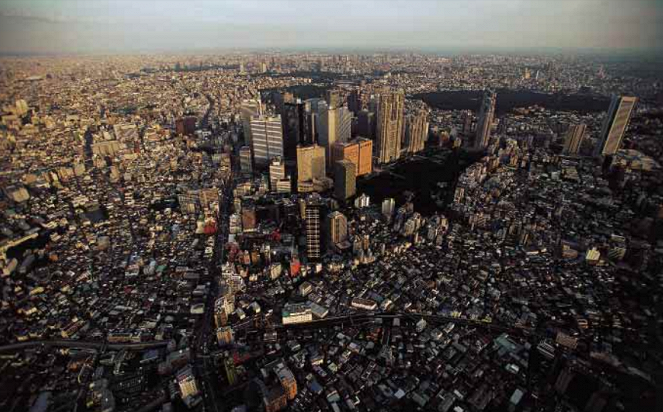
x,y
78,344
366,317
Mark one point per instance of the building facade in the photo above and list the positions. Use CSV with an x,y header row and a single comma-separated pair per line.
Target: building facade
x,y
615,124
390,126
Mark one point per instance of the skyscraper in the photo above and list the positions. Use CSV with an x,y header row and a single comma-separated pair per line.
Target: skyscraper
x,y
245,161
416,131
185,126
390,126
388,208
346,151
333,98
310,163
345,180
312,224
276,173
485,121
225,336
344,132
328,130
365,165
267,139
248,110
615,124
366,124
573,138
294,128
337,227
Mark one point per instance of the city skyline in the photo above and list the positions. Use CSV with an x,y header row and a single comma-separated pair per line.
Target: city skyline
x,y
103,27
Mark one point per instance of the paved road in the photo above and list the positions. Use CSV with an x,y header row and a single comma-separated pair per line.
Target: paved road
x,y
78,344
360,318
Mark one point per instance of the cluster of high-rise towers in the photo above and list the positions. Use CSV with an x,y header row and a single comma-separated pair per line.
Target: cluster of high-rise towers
x,y
312,145
610,140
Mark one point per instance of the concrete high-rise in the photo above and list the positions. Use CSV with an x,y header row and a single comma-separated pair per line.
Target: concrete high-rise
x,y
337,228
615,124
312,225
365,165
416,131
485,120
390,126
345,180
333,98
388,208
276,173
346,151
366,124
294,128
310,163
267,139
248,110
185,126
328,130
344,128
245,160
573,138
358,151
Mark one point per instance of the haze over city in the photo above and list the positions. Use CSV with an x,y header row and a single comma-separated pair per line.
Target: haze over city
x,y
331,206
129,26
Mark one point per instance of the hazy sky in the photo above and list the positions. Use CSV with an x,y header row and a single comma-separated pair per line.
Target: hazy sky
x,y
102,26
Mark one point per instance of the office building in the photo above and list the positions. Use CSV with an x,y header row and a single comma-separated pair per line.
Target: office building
x,y
328,131
354,101
284,185
312,224
416,131
333,98
310,163
231,373
345,180
276,173
346,151
485,120
225,336
362,201
185,126
248,110
573,138
615,124
344,125
365,165
467,122
187,382
266,139
245,160
366,124
296,313
388,208
294,128
287,380
390,126
249,220
337,228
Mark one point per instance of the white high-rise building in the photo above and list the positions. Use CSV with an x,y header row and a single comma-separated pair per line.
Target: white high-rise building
x,y
248,110
267,139
615,124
